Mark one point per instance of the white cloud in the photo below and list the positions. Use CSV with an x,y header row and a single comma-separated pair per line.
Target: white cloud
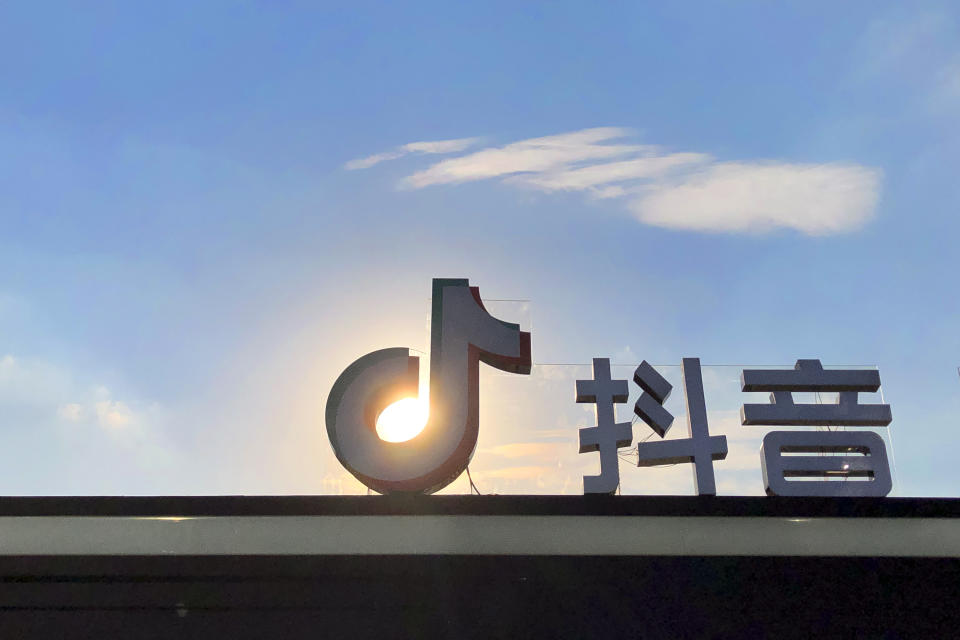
x,y
891,41
917,53
113,415
945,93
815,199
432,147
34,391
534,155
440,146
71,412
107,414
603,174
677,190
66,436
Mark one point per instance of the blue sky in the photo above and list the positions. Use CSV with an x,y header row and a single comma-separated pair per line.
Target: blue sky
x,y
194,239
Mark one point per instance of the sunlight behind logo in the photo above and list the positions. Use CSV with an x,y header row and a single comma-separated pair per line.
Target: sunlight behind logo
x,y
462,334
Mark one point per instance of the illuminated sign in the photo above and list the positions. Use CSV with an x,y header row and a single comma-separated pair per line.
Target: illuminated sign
x,y
463,334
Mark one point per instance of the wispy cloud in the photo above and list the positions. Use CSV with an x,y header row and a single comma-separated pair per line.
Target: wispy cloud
x,y
534,155
427,147
81,438
602,175
915,51
677,190
44,392
106,413
815,199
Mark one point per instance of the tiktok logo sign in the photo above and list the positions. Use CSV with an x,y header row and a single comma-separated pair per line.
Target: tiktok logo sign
x,y
462,334
836,462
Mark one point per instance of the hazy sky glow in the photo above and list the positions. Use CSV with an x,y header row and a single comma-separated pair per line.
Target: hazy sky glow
x,y
209,210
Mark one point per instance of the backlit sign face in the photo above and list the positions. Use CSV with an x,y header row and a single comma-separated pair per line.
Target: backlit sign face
x,y
463,334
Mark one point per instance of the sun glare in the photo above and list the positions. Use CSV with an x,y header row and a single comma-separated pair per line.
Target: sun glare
x,y
403,420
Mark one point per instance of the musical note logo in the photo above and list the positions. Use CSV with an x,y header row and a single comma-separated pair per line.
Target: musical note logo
x,y
462,334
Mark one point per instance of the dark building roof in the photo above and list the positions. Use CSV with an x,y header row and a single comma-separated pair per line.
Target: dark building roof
x,y
478,566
